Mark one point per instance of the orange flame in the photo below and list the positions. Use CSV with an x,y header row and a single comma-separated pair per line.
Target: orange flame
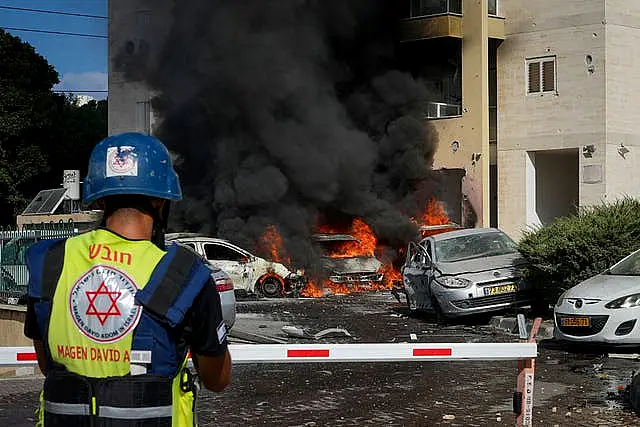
x,y
272,241
364,246
434,215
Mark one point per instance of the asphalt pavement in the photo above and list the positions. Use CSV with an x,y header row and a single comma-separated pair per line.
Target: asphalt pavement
x,y
571,388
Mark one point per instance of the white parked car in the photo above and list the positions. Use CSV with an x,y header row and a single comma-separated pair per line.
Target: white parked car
x,y
249,273
604,308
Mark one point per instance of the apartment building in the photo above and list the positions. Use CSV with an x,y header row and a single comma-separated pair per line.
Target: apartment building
x,y
568,125
531,99
558,128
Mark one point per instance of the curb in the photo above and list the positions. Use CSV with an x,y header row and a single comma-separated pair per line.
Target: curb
x,y
510,324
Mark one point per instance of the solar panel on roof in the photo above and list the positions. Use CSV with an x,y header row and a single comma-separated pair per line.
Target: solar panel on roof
x,y
45,202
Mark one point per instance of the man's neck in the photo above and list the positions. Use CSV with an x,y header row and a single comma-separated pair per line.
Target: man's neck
x,y
131,224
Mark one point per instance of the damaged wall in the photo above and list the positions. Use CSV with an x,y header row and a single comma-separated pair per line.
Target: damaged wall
x,y
464,141
280,113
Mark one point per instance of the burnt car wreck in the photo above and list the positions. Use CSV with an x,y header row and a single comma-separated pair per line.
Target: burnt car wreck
x,y
349,268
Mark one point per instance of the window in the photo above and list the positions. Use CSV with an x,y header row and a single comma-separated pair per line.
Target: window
x,y
541,75
222,253
420,8
493,7
143,117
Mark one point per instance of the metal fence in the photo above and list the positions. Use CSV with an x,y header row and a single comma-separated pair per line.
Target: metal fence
x,y
14,244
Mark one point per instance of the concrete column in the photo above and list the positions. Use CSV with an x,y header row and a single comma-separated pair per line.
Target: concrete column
x,y
475,102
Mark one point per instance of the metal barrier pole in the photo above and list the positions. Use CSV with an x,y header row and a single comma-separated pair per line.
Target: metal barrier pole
x,y
524,352
523,398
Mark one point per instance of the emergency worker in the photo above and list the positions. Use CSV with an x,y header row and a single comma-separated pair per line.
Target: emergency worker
x,y
113,313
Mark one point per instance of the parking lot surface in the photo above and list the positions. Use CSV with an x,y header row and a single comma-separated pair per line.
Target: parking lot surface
x,y
572,389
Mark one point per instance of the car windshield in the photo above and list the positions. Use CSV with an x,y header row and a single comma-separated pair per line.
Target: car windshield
x,y
474,246
627,267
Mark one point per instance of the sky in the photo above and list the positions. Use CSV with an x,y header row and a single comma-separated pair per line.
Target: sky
x,y
81,62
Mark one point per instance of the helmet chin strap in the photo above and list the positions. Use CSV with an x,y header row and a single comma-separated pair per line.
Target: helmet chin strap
x,y
160,222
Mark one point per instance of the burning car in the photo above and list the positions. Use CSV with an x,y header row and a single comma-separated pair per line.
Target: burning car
x,y
249,273
347,261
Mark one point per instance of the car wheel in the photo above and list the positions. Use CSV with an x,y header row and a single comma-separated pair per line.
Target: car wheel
x,y
437,310
271,287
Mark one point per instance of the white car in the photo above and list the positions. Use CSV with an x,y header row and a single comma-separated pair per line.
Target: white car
x,y
604,308
249,273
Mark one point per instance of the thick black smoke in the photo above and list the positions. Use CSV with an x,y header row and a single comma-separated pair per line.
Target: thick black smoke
x,y
291,112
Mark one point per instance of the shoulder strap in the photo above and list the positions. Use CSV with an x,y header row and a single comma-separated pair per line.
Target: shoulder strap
x,y
174,284
45,260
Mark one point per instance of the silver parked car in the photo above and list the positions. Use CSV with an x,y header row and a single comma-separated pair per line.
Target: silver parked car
x,y
465,272
224,284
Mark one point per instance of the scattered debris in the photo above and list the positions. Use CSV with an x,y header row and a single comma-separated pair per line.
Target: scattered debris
x,y
414,337
255,338
296,332
292,331
634,356
326,332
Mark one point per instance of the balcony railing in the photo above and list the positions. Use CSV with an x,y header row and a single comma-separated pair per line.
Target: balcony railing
x,y
422,8
440,110
493,7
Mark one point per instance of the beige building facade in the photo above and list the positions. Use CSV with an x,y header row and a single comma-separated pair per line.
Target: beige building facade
x,y
568,125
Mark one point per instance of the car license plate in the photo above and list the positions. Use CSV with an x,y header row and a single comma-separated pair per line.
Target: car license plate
x,y
584,322
501,289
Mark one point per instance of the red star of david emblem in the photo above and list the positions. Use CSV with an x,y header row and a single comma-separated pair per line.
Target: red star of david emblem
x,y
113,309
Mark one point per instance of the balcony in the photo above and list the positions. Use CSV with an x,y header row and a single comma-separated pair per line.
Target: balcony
x,y
440,110
430,19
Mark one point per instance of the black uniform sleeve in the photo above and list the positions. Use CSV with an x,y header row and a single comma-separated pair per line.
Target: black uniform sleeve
x,y
206,333
31,329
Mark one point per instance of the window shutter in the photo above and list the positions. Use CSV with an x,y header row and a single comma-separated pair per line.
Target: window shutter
x,y
548,76
534,77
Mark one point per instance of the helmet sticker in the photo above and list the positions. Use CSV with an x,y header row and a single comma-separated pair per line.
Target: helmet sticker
x,y
102,304
122,161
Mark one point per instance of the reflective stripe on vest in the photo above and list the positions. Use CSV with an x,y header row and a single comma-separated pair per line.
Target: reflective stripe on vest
x,y
67,408
135,413
108,411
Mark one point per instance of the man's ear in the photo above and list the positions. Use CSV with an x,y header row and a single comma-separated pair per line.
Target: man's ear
x,y
158,203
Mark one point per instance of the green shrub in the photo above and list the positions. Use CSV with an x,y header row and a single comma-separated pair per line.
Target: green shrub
x,y
574,248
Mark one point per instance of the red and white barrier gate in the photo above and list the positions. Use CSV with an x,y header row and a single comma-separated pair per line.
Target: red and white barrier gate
x,y
524,352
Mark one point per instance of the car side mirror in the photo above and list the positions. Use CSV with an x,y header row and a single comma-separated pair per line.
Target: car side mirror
x,y
244,259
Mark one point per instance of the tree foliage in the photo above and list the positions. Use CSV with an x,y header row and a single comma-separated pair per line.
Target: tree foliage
x,y
41,132
575,248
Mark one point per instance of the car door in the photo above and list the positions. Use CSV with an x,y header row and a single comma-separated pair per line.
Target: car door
x,y
426,274
230,261
412,276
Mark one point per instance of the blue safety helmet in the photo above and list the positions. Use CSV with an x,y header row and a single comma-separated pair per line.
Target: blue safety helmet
x,y
131,163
